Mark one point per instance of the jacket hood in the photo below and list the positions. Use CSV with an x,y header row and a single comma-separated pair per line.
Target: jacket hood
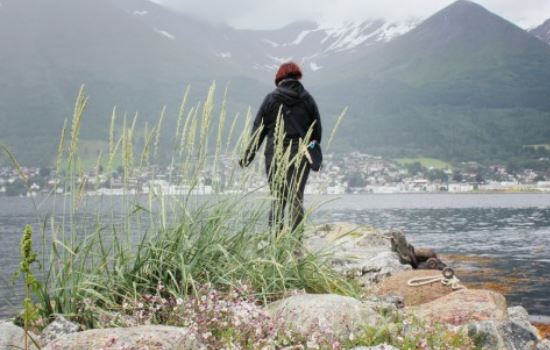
x,y
290,91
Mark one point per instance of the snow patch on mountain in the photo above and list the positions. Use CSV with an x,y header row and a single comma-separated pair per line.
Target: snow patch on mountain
x,y
314,66
301,37
353,34
271,43
390,31
140,13
349,37
165,33
318,46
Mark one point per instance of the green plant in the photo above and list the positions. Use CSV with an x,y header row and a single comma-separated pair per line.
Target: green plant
x,y
31,284
410,333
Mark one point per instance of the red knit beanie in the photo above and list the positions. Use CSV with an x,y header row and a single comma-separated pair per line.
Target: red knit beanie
x,y
288,70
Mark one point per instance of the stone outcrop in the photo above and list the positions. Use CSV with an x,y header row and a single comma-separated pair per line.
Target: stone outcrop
x,y
463,307
397,285
520,317
59,327
142,337
506,335
357,251
337,314
516,333
12,337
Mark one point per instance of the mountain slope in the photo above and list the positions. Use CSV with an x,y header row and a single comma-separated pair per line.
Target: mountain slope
x,y
257,53
52,47
317,47
542,32
465,84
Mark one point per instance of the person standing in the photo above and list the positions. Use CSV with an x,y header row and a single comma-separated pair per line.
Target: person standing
x,y
291,107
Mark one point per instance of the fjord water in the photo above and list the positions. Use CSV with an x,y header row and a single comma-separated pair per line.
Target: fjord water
x,y
495,240
504,238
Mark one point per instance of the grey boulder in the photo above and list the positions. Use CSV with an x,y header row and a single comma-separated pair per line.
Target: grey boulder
x,y
337,314
357,251
12,337
506,335
60,326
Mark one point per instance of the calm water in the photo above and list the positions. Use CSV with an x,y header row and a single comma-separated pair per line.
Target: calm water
x,y
511,232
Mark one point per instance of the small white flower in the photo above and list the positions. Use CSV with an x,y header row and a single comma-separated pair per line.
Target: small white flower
x,y
206,335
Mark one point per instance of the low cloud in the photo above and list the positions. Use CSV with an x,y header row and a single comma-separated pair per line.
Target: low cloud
x,y
275,14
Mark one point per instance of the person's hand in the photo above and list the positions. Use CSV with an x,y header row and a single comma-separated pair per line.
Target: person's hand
x,y
246,160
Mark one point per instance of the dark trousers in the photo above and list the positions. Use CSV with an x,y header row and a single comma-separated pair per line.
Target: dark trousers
x,y
288,189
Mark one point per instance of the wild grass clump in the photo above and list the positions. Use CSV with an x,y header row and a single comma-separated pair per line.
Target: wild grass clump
x,y
179,241
212,248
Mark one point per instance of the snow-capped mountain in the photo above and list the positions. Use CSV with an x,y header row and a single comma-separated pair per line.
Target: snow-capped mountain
x,y
315,46
404,82
542,32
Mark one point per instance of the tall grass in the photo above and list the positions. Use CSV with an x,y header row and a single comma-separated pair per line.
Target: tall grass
x,y
178,241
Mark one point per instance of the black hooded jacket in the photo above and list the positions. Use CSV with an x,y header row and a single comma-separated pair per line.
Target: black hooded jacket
x,y
299,111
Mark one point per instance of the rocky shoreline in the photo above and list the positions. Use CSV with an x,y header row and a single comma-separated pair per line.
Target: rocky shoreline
x,y
369,257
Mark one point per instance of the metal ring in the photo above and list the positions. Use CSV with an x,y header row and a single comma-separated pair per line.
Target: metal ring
x,y
448,272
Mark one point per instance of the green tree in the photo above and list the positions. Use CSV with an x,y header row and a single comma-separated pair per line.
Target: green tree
x,y
457,176
416,168
438,175
356,179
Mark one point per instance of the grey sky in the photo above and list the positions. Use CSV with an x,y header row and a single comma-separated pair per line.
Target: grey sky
x,y
276,13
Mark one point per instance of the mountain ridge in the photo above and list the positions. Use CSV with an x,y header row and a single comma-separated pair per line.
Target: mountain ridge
x,y
462,69
440,89
542,32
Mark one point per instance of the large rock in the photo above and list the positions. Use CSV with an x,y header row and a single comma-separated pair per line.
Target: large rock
x,y
59,327
463,307
12,337
357,251
338,314
381,266
397,285
505,335
347,237
143,337
520,317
